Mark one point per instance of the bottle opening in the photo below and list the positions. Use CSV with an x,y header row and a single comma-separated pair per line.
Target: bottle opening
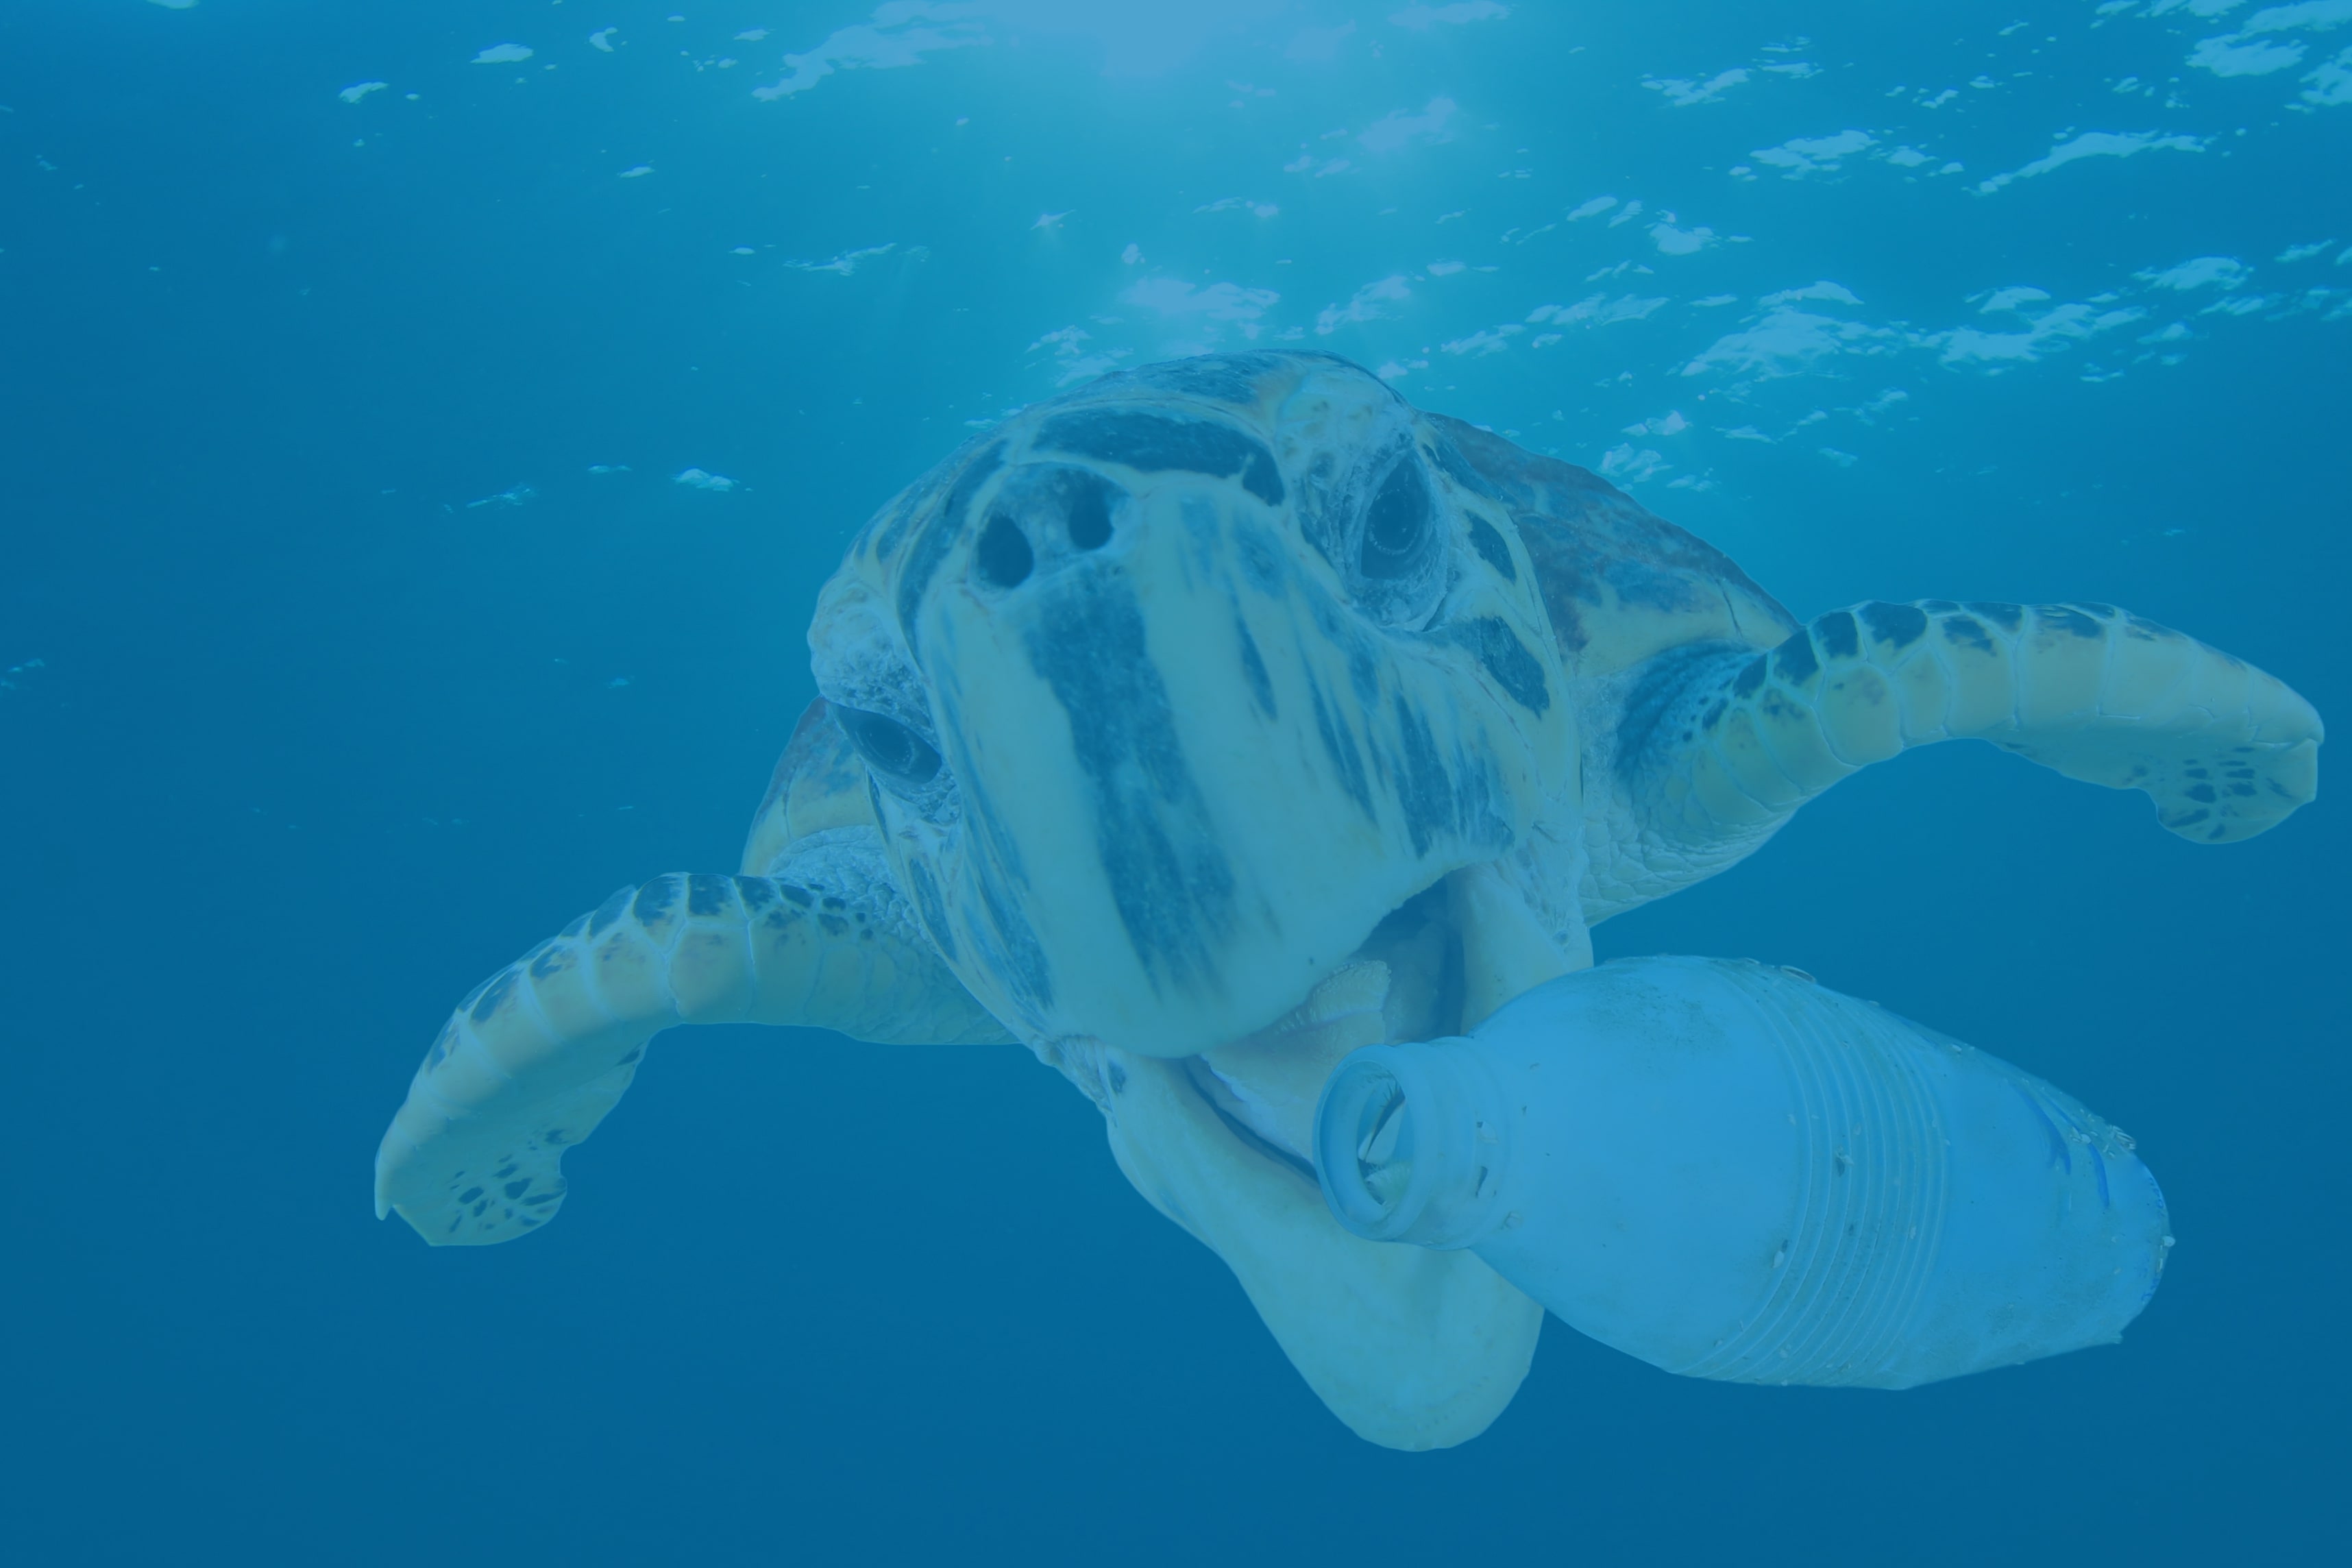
x,y
1383,1175
1410,1145
1364,1148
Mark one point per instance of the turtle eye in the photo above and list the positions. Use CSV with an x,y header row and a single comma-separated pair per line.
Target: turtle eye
x,y
889,748
1397,526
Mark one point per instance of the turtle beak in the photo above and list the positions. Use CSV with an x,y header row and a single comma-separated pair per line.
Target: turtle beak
x,y
1193,781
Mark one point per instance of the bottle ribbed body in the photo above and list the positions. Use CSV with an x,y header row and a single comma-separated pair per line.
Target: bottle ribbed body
x,y
1872,1179
1734,1172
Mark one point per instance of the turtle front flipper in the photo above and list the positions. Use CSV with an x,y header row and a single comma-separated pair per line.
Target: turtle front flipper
x,y
534,1060
1715,744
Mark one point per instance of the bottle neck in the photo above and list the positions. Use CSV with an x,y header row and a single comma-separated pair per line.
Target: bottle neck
x,y
1411,1143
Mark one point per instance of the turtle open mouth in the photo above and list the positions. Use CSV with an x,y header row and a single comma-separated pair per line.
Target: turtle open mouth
x,y
1435,965
1404,984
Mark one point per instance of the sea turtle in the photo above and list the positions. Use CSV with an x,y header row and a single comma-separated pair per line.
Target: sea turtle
x,y
1200,725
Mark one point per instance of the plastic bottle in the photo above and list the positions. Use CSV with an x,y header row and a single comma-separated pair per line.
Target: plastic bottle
x,y
1729,1171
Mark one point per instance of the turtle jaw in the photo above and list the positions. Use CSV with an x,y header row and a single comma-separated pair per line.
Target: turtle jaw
x,y
1193,781
1436,965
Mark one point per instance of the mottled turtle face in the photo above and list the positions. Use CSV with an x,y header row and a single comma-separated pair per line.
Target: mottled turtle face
x,y
1172,688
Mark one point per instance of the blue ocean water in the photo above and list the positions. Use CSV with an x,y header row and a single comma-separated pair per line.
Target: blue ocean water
x,y
426,429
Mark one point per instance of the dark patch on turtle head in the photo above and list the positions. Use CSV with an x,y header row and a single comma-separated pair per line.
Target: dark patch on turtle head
x,y
1504,657
1159,855
1490,547
939,535
1153,442
1261,684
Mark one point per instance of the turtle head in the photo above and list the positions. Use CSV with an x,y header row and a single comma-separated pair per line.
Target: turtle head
x,y
1172,689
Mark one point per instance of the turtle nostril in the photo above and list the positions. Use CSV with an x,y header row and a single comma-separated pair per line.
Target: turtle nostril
x,y
1003,555
1090,518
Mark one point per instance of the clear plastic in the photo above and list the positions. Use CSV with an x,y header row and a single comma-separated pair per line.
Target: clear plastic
x,y
1730,1172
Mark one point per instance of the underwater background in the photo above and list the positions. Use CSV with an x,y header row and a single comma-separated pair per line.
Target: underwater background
x,y
426,428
